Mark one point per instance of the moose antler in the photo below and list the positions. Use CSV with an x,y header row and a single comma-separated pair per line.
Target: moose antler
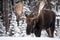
x,y
41,6
18,11
19,8
36,15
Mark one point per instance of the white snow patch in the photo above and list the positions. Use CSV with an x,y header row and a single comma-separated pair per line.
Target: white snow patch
x,y
28,38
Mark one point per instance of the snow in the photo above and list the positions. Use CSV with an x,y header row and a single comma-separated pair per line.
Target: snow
x,y
28,38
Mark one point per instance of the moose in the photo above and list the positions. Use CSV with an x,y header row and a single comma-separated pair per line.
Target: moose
x,y
41,19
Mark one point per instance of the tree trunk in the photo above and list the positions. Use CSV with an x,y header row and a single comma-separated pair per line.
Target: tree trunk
x,y
5,15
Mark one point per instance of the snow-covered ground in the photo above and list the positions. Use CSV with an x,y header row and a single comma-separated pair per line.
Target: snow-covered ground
x,y
27,38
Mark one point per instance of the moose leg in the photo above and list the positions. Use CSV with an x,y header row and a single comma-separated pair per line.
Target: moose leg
x,y
28,30
37,32
50,31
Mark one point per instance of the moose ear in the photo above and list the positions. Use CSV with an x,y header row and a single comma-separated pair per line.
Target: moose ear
x,y
26,14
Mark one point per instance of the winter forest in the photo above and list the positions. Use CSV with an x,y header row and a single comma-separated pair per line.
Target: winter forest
x,y
10,27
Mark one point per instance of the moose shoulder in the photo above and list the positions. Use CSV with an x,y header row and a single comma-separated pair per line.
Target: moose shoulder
x,y
45,20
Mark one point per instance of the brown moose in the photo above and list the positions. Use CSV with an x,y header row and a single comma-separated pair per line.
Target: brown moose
x,y
43,19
